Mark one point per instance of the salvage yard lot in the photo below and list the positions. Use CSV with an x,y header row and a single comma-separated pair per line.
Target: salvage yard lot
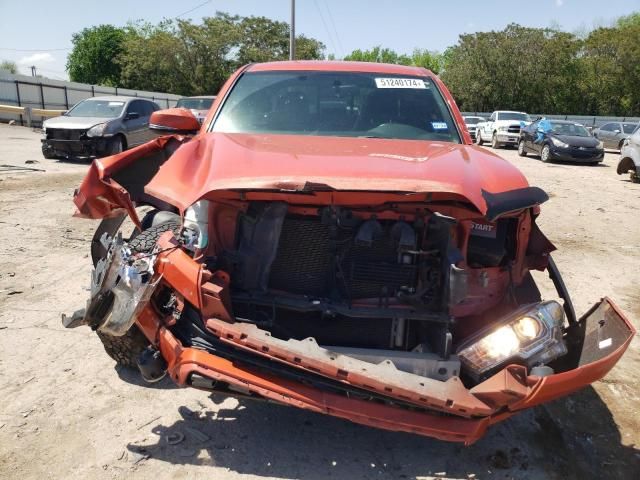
x,y
68,413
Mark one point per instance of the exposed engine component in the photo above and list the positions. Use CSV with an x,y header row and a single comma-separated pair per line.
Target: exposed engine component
x,y
347,279
333,255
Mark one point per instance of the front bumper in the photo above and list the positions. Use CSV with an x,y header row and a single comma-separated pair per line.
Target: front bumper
x,y
89,147
573,154
248,361
508,138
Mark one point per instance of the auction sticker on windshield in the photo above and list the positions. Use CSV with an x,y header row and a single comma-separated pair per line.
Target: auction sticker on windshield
x,y
400,83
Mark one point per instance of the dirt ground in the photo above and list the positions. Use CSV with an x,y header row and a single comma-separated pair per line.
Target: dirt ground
x,y
67,412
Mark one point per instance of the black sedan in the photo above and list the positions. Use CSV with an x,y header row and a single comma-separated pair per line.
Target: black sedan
x,y
560,140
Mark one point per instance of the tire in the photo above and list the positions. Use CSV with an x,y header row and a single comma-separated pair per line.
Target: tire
x,y
478,138
545,155
494,141
634,175
116,145
126,349
621,144
48,154
521,151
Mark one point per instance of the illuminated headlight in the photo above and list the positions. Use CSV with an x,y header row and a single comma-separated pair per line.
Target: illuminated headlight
x,y
96,130
559,143
529,337
195,229
600,146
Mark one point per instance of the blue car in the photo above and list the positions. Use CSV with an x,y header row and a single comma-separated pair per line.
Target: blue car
x,y
560,140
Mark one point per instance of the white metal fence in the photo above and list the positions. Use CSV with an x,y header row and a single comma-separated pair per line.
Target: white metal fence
x,y
49,94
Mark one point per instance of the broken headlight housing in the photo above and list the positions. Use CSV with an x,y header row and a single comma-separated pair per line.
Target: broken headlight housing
x,y
196,226
96,130
531,336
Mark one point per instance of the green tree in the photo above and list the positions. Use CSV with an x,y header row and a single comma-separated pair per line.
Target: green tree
x,y
93,58
378,55
521,68
179,56
9,66
196,59
611,66
428,59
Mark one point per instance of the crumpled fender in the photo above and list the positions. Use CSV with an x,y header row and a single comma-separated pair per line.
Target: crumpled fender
x,y
111,186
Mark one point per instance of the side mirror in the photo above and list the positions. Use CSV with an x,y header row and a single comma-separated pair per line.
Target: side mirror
x,y
174,120
132,116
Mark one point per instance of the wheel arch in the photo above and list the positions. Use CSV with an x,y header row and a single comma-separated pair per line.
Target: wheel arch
x,y
626,164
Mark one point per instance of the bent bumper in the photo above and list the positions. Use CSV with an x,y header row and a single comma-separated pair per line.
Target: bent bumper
x,y
503,395
81,148
247,361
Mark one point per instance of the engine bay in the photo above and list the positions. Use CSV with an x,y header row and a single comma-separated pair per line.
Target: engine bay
x,y
376,286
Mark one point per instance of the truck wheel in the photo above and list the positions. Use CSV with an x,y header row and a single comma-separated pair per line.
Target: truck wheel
x,y
545,156
635,175
126,349
521,151
494,141
478,138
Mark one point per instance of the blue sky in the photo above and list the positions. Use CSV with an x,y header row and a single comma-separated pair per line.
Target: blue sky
x,y
39,27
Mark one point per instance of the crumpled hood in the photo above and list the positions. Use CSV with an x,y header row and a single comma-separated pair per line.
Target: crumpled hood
x,y
75,122
221,161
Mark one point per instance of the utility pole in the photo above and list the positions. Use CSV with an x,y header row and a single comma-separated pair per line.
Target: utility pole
x,y
292,32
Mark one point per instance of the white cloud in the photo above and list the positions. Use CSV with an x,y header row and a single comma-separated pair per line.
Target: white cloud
x,y
559,3
37,58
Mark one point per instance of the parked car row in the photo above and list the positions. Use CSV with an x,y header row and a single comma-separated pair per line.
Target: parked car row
x,y
560,139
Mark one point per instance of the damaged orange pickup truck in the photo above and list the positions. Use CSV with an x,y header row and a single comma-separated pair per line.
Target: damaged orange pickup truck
x,y
330,239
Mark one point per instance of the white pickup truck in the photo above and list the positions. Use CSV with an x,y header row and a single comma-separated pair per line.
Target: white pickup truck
x,y
502,128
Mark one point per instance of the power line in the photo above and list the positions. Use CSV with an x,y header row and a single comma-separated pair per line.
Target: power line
x,y
325,25
194,8
326,4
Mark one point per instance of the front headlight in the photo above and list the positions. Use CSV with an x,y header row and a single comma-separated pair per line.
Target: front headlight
x,y
559,143
195,228
44,130
502,129
530,337
96,130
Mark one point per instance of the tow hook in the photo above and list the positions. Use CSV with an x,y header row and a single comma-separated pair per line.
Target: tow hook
x,y
152,366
